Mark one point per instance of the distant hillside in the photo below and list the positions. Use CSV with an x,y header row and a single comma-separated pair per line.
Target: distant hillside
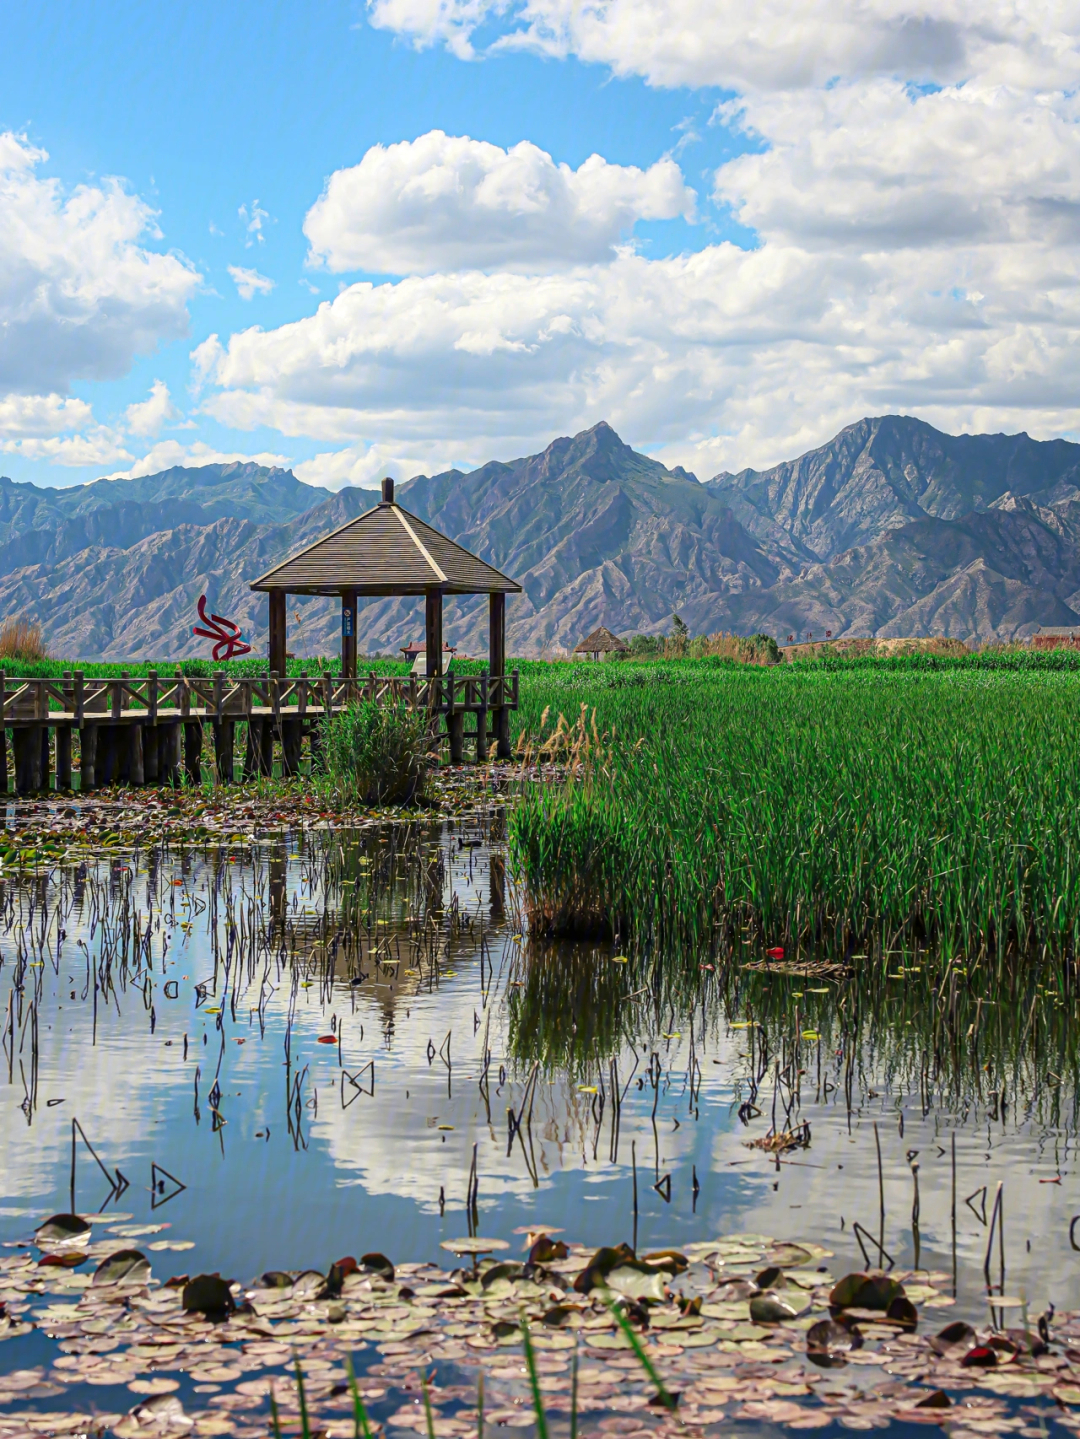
x,y
891,529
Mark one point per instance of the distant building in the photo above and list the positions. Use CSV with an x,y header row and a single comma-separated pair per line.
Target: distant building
x,y
1056,637
600,644
416,655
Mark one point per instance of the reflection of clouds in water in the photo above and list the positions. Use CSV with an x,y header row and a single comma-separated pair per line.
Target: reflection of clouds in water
x,y
133,1093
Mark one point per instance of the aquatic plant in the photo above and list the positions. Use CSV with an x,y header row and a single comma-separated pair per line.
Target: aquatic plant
x,y
803,807
376,753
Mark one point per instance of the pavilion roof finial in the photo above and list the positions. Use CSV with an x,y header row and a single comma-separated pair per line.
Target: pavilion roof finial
x,y
388,491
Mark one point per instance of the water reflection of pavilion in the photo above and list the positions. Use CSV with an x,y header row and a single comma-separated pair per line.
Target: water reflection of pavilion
x,y
394,920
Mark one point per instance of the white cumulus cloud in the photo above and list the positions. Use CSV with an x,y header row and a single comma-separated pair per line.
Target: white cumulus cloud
x,y
914,249
167,453
37,416
365,465
773,44
249,283
447,202
97,446
146,417
80,294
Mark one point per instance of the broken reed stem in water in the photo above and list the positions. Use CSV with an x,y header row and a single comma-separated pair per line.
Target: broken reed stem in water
x,y
953,1214
429,1419
361,1425
534,1382
666,1398
573,1391
633,1163
997,1222
881,1188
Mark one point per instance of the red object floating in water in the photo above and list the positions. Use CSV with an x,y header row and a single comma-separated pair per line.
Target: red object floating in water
x,y
775,953
327,1039
981,1357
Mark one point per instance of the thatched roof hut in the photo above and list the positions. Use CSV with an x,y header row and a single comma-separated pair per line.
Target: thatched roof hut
x,y
601,642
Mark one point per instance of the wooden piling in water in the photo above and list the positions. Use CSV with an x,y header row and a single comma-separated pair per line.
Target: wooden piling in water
x,y
63,757
135,754
193,742
88,758
291,736
224,739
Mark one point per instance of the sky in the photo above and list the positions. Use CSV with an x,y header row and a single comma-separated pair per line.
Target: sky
x,y
391,236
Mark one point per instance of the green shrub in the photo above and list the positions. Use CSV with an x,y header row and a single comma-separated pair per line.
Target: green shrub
x,y
376,753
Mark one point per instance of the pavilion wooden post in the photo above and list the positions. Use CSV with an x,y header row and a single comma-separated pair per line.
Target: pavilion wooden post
x,y
277,645
433,640
348,635
497,672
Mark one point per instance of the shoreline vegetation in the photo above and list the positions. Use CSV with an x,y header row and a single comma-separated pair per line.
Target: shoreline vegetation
x,y
707,652
837,807
821,810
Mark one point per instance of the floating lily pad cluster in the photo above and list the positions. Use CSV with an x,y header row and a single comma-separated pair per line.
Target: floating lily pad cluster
x,y
63,829
742,1327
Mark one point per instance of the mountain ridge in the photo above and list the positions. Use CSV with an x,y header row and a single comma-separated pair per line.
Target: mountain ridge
x,y
890,528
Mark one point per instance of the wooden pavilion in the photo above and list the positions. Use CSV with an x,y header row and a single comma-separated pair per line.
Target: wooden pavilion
x,y
387,552
601,642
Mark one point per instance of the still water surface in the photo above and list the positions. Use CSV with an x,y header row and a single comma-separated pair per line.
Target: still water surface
x,y
312,1035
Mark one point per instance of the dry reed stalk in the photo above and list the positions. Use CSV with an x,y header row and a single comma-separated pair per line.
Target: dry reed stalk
x,y
22,639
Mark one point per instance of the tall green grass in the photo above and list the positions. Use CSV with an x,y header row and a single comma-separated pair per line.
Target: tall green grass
x,y
815,809
375,753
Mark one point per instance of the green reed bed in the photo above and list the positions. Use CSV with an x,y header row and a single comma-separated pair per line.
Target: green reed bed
x,y
805,807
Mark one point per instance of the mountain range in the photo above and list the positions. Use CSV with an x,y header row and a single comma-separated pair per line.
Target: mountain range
x,y
891,529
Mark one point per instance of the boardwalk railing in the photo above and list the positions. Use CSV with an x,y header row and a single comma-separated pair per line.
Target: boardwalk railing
x,y
129,728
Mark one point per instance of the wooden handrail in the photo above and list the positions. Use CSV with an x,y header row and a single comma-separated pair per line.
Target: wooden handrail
x,y
150,700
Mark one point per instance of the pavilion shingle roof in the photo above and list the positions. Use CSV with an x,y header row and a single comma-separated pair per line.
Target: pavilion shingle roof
x,y
386,551
601,641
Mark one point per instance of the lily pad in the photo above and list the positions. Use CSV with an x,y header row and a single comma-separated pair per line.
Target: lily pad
x,y
158,1384
828,1343
772,1308
208,1294
871,1290
376,1263
954,1340
473,1246
275,1279
790,1256
126,1266
61,1229
636,1283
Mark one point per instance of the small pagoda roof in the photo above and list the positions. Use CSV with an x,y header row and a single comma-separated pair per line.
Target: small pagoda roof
x,y
386,551
601,641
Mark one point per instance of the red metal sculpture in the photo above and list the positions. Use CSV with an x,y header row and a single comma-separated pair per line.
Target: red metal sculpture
x,y
229,644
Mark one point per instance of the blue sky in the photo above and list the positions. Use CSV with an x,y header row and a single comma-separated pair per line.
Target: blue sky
x,y
846,249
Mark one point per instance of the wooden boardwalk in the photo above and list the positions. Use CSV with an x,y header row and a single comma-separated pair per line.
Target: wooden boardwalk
x,y
148,729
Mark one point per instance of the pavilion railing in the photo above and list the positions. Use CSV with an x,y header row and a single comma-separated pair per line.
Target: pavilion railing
x,y
146,729
152,698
